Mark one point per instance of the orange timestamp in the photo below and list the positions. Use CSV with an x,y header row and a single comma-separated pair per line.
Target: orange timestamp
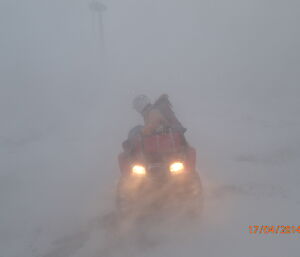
x,y
274,229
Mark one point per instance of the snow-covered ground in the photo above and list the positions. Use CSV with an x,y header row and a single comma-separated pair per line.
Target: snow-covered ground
x,y
231,69
55,189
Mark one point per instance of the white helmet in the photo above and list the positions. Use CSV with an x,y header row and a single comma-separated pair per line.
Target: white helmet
x,y
140,103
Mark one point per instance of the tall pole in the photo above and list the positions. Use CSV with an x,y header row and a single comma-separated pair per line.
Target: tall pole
x,y
98,8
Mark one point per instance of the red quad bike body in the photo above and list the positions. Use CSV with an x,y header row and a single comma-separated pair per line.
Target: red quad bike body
x,y
166,177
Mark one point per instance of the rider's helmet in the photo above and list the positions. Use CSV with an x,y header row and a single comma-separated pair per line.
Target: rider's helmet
x,y
140,103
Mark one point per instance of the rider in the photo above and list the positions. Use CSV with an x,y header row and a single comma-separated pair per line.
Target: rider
x,y
155,121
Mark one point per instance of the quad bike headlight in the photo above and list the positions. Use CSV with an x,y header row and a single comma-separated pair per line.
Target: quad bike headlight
x,y
176,167
139,170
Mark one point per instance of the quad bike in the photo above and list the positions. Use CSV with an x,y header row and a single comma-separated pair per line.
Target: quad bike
x,y
159,177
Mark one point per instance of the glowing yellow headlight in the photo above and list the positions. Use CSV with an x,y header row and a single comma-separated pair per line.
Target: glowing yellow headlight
x,y
139,170
176,167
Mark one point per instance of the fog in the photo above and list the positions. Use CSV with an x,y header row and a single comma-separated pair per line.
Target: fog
x,y
67,80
